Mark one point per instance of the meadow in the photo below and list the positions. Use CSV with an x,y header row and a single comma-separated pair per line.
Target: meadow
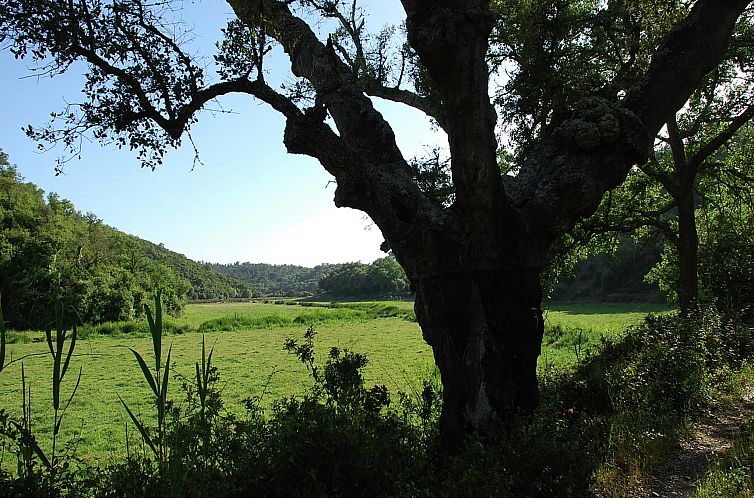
x,y
248,352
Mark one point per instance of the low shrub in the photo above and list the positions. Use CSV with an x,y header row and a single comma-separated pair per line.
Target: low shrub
x,y
649,384
319,316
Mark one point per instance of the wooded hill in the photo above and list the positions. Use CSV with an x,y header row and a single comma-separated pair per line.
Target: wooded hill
x,y
278,280
51,252
382,278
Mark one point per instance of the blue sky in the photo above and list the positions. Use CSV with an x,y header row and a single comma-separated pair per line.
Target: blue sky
x,y
248,201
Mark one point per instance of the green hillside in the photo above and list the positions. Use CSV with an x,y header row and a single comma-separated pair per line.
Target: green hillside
x,y
279,280
206,282
50,252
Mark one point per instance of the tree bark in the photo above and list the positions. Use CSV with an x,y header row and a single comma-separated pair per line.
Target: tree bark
x,y
485,329
688,247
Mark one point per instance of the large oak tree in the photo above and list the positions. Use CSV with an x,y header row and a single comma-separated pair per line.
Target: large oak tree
x,y
475,263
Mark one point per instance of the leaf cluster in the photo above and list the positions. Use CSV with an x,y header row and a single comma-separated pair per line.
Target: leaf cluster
x,y
138,77
556,52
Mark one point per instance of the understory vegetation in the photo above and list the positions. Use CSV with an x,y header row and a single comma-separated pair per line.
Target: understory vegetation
x,y
605,420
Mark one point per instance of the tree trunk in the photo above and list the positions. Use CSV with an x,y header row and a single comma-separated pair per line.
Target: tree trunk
x,y
688,247
485,329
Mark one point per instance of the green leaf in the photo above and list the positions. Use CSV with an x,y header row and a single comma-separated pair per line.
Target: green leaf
x,y
57,355
56,429
56,382
158,316
73,393
40,453
147,373
140,426
149,318
204,356
156,339
29,439
48,334
164,392
74,335
199,386
209,367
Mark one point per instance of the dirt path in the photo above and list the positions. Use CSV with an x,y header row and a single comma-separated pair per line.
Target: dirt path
x,y
710,437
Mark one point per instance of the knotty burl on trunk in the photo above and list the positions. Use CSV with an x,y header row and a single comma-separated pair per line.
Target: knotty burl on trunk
x,y
474,264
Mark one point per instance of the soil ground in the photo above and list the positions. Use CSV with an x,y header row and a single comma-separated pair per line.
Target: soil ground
x,y
709,438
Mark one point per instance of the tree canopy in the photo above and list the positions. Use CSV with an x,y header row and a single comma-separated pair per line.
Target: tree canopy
x,y
382,278
278,280
693,155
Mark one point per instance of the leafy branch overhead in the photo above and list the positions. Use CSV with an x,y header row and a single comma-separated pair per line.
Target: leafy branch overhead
x,y
144,90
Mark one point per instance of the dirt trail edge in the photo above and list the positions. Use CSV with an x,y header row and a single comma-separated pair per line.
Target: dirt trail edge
x,y
710,437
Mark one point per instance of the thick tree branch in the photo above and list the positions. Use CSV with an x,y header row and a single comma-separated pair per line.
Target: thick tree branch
x,y
175,126
359,124
451,39
677,147
699,157
692,49
628,226
371,173
401,96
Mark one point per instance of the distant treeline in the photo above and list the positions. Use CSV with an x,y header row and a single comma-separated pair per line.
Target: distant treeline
x,y
277,280
383,277
617,277
49,252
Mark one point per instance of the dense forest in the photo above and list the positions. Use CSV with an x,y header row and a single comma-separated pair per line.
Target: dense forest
x,y
51,252
383,277
277,280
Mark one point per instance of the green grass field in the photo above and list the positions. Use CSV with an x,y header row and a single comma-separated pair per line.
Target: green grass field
x,y
605,318
252,362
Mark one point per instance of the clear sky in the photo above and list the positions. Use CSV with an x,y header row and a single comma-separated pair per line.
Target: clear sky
x,y
248,201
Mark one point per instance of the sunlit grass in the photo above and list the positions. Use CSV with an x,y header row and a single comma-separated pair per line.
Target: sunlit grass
x,y
606,318
252,362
